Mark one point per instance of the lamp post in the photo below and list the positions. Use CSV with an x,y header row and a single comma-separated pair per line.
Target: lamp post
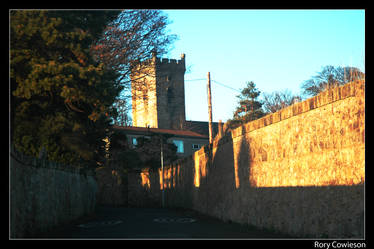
x,y
162,172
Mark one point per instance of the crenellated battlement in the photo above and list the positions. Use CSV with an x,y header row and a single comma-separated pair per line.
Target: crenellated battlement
x,y
163,84
167,61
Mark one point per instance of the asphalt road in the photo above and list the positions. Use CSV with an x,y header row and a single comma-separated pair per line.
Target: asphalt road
x,y
154,223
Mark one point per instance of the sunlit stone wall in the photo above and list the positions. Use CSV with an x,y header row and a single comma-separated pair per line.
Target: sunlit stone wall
x,y
300,171
318,142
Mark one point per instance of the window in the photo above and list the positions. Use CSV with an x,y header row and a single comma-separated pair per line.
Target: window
x,y
196,146
134,141
179,144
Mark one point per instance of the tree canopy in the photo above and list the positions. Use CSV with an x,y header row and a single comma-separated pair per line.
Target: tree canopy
x,y
249,107
330,77
68,70
277,100
132,38
146,153
61,97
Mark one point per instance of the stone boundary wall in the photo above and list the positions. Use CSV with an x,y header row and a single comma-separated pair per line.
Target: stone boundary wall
x,y
112,187
300,171
46,194
353,89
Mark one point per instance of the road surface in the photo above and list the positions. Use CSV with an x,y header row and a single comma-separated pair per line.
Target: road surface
x,y
154,223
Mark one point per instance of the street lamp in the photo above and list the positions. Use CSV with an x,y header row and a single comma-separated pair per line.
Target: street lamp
x,y
162,172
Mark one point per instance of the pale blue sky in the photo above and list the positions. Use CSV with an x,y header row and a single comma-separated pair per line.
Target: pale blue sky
x,y
277,49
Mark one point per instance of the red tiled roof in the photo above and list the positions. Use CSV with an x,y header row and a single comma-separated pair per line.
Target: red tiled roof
x,y
144,130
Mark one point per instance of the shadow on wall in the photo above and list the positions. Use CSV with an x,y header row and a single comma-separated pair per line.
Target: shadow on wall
x,y
144,188
317,142
300,170
227,164
229,190
242,159
112,187
224,187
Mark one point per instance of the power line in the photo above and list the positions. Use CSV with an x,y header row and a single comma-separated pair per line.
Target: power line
x,y
195,80
219,83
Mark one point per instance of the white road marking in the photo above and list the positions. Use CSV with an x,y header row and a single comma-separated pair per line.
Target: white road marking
x,y
101,223
172,220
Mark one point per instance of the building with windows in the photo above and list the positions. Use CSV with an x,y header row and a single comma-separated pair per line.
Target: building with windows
x,y
187,142
158,106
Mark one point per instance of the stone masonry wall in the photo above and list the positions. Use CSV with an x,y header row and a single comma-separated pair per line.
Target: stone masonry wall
x,y
112,187
44,195
157,89
300,170
144,99
170,93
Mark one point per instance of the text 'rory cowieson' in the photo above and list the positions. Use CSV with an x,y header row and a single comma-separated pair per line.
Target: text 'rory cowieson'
x,y
336,244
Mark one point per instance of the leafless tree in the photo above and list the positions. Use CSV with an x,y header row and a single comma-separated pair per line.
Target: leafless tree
x,y
330,77
129,41
278,100
123,107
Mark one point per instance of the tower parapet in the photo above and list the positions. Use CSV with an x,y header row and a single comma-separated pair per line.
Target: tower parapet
x,y
167,61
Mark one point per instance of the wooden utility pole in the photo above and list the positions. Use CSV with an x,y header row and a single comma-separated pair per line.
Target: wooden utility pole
x,y
210,110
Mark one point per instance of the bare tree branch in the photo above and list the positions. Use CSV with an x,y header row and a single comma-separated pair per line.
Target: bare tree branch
x,y
128,42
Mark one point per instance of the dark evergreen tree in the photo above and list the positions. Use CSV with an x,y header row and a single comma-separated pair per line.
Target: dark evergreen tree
x,y
61,97
250,108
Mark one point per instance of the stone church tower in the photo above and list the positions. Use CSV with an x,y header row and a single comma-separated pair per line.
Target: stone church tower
x,y
157,89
